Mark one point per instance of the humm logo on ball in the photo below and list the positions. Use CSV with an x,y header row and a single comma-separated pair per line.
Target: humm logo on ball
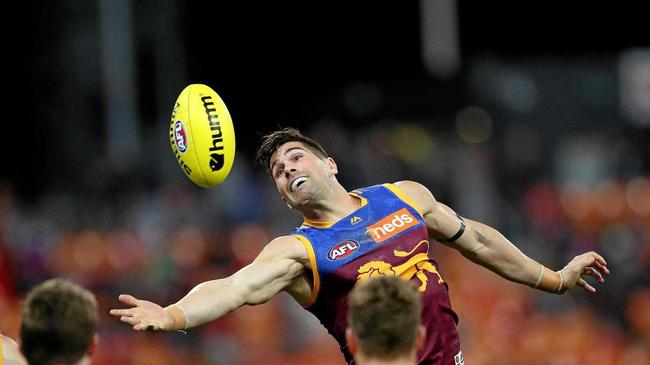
x,y
216,158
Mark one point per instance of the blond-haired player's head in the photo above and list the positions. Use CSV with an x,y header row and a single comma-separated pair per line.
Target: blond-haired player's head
x,y
384,321
59,324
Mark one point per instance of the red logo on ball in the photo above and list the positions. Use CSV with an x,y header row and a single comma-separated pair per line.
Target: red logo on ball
x,y
180,136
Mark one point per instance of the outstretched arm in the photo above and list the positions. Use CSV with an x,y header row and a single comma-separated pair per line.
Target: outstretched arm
x,y
487,247
274,269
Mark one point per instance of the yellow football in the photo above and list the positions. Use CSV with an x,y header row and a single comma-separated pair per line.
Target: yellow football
x,y
202,135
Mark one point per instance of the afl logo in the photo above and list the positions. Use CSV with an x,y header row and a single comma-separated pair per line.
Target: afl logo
x,y
342,250
180,136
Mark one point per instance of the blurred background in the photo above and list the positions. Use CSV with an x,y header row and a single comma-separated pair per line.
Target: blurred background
x,y
531,117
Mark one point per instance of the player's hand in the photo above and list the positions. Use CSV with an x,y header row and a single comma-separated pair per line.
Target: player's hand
x,y
590,264
143,315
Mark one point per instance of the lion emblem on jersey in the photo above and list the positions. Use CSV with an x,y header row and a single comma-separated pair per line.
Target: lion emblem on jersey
x,y
415,265
374,268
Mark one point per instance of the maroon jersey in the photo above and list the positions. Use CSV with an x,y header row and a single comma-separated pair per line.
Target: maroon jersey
x,y
385,236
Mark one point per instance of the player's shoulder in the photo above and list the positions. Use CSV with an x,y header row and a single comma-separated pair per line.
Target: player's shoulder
x,y
416,192
288,246
285,240
409,184
413,188
395,187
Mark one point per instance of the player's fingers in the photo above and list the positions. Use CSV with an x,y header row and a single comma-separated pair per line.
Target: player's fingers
x,y
143,326
586,286
130,320
593,272
598,261
128,299
601,267
591,259
120,312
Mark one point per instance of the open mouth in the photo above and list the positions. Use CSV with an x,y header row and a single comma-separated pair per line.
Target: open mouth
x,y
297,182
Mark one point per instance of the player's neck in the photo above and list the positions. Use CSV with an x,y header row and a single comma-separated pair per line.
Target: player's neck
x,y
85,360
333,207
405,360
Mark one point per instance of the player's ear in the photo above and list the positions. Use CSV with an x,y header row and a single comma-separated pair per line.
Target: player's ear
x,y
351,341
93,345
420,337
332,165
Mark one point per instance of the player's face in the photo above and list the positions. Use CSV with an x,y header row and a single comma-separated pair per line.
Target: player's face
x,y
299,174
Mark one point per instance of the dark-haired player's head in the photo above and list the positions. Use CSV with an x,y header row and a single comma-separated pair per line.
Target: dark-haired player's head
x,y
274,140
301,169
384,321
58,324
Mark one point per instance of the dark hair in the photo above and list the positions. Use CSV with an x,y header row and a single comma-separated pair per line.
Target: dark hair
x,y
58,324
272,141
384,314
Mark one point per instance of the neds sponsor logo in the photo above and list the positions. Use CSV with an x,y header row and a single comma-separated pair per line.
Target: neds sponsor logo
x,y
391,225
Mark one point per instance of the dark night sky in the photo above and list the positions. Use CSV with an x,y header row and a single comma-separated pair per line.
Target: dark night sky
x,y
277,63
288,61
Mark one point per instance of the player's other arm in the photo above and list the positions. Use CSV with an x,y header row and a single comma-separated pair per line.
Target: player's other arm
x,y
10,352
274,269
484,245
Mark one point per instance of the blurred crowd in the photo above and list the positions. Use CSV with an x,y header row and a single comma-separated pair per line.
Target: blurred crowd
x,y
157,242
545,142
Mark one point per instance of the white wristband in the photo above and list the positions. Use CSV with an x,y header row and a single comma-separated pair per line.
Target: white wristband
x,y
541,273
178,317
